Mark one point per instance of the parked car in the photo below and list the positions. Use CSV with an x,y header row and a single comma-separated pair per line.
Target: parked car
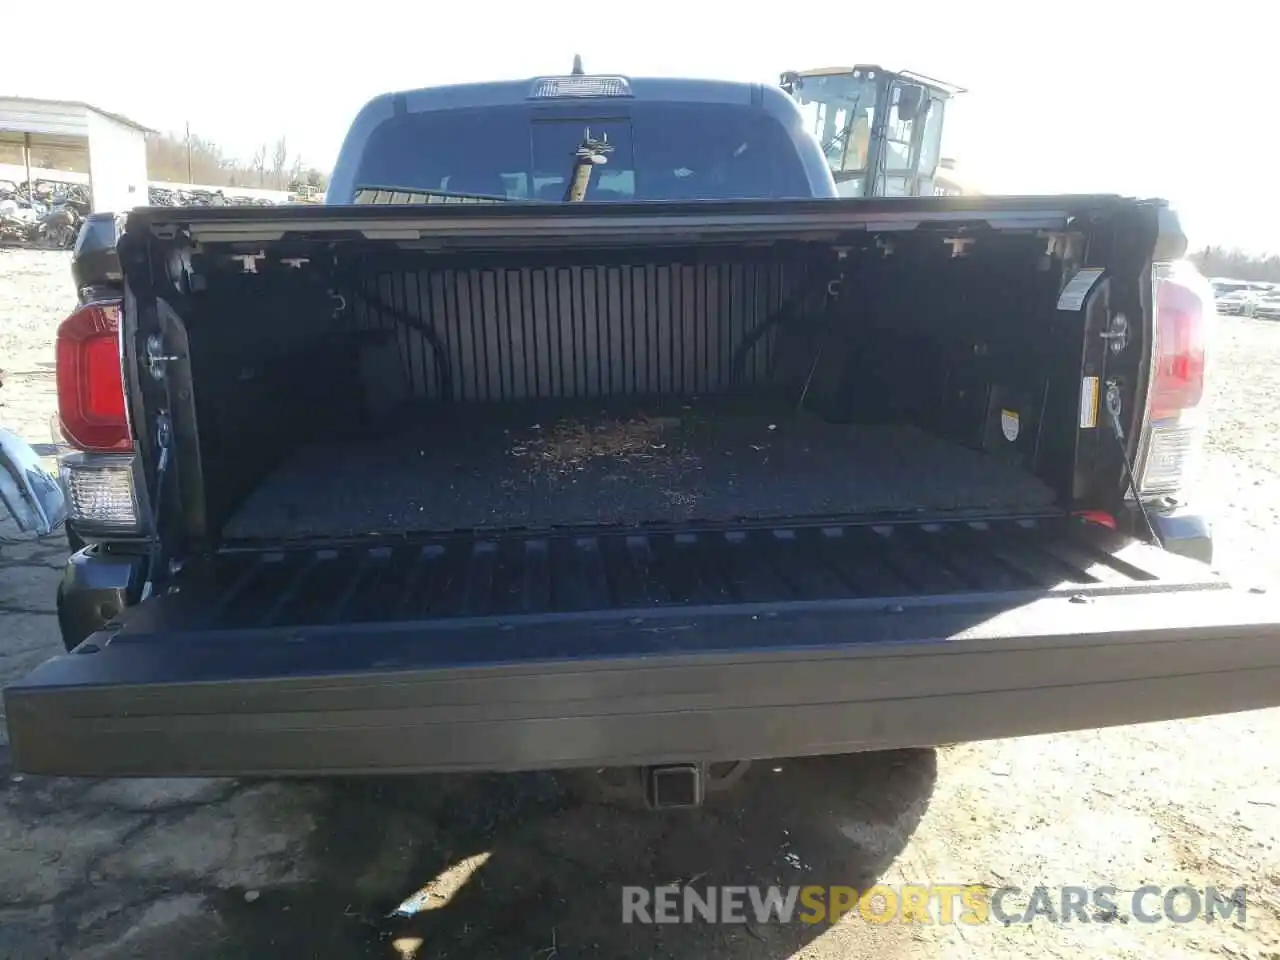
x,y
1267,306
1238,303
434,477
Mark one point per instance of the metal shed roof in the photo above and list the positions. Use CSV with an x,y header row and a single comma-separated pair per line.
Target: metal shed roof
x,y
67,118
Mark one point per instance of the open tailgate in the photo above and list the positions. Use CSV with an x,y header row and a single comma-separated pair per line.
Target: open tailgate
x,y
523,651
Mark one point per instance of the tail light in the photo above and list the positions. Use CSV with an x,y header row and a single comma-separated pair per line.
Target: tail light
x,y
98,478
1099,517
100,492
1184,316
90,387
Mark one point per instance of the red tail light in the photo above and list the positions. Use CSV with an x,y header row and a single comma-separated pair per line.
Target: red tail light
x,y
91,402
1182,315
1100,517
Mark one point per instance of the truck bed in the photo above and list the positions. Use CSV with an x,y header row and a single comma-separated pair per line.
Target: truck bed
x,y
542,467
515,574
651,586
525,651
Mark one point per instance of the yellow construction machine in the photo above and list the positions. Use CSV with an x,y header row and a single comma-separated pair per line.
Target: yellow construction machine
x,y
881,130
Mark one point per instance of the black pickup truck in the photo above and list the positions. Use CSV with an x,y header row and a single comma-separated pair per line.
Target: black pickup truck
x,y
718,468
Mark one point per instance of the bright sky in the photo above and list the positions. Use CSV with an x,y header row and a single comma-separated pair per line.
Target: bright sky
x,y
1121,96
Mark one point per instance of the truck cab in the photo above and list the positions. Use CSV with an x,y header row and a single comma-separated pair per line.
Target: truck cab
x,y
670,139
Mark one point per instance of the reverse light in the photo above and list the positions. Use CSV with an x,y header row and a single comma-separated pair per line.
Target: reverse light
x,y
100,493
91,405
1183,328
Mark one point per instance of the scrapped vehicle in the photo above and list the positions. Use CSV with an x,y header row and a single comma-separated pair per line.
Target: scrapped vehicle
x,y
29,493
439,477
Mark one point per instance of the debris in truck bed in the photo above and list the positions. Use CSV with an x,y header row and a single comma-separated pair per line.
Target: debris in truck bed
x,y
708,462
572,443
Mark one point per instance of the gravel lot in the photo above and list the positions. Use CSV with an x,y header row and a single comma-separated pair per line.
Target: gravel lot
x,y
522,867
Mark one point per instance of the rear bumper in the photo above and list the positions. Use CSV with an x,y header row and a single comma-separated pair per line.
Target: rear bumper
x,y
1182,531
97,585
747,682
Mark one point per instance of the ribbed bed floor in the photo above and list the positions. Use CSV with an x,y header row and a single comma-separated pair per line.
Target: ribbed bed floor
x,y
537,468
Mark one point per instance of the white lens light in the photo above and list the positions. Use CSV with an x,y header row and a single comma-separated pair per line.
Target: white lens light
x,y
100,493
1170,450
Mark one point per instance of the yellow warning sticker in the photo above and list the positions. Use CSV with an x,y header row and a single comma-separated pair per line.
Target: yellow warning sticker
x,y
1088,403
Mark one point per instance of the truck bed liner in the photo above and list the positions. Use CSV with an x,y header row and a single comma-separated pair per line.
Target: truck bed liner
x,y
541,467
521,651
552,576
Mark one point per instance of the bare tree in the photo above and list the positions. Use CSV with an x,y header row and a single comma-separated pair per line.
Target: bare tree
x,y
259,163
1237,264
270,166
279,161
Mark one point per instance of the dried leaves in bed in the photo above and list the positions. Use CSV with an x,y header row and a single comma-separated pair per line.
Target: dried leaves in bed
x,y
572,443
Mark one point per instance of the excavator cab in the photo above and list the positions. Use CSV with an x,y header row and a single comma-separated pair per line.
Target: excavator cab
x,y
881,131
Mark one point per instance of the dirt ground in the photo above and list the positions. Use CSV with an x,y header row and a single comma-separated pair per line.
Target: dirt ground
x,y
525,867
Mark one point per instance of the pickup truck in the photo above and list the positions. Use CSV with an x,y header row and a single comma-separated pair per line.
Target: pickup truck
x,y
449,474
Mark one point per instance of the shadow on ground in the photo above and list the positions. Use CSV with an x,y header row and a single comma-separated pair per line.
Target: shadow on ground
x,y
533,866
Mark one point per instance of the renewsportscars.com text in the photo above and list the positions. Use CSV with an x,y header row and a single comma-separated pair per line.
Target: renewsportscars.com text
x,y
969,904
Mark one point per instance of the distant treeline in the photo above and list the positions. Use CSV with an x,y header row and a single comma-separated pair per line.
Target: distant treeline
x,y
1236,264
176,159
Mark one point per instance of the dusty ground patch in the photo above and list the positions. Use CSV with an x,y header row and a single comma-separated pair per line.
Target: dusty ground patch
x,y
525,867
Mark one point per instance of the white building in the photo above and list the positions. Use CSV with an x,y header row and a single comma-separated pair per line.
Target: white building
x,y
114,148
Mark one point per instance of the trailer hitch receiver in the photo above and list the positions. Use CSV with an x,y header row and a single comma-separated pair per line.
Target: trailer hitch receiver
x,y
674,786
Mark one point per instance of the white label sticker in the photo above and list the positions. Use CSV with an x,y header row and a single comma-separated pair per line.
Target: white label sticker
x,y
1009,424
1074,293
1088,403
